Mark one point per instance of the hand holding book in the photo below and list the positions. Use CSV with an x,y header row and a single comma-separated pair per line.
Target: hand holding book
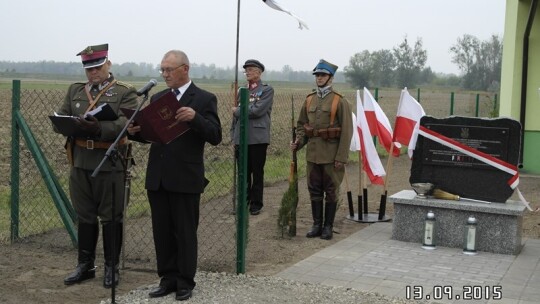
x,y
159,121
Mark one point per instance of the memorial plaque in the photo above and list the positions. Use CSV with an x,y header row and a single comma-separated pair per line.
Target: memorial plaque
x,y
461,174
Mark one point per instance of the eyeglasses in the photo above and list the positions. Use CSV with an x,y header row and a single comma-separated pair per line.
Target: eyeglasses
x,y
170,70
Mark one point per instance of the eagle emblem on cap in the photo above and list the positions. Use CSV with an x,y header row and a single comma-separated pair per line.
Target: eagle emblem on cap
x,y
89,51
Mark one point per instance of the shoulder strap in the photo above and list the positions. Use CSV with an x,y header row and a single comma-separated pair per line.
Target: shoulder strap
x,y
333,110
308,102
335,102
94,101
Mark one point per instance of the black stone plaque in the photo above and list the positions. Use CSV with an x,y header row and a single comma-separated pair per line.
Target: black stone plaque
x,y
458,173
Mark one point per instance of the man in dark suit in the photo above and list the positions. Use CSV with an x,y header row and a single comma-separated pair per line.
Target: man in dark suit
x,y
175,178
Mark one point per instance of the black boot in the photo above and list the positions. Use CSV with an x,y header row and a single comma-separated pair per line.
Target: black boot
x,y
87,236
329,214
111,256
317,213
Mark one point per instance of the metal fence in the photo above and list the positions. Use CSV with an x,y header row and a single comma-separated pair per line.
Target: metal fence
x,y
39,219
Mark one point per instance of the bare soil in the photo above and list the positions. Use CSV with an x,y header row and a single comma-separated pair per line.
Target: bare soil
x,y
33,272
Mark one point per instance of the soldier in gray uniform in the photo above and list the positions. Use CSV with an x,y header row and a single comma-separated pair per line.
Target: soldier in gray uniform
x,y
261,98
325,126
92,196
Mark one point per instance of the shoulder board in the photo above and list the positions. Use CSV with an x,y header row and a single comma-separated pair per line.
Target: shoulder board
x,y
124,84
338,94
311,93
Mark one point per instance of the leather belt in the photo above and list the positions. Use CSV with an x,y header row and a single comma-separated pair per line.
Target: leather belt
x,y
92,144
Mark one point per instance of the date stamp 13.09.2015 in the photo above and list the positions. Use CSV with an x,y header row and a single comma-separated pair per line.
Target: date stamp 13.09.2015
x,y
417,292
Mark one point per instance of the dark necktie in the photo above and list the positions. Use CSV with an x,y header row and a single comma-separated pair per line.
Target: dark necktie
x,y
176,92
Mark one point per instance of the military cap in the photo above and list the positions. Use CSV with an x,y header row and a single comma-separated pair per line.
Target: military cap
x,y
325,67
94,55
253,63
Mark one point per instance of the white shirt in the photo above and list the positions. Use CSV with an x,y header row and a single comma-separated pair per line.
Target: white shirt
x,y
182,89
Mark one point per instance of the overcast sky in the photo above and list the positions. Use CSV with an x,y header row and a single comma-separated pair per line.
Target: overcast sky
x,y
142,31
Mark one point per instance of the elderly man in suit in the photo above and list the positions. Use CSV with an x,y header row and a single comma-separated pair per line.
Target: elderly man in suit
x,y
261,98
175,178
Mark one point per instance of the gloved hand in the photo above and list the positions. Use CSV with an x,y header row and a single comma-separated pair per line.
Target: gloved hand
x,y
90,125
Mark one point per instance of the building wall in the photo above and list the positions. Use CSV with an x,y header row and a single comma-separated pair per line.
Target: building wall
x,y
517,13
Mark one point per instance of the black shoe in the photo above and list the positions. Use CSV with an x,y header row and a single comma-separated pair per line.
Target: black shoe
x,y
327,233
83,272
255,210
107,278
183,294
160,291
316,230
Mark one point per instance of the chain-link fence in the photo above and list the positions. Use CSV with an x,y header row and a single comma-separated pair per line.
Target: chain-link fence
x,y
39,219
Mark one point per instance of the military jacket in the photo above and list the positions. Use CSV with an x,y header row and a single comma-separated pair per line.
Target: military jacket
x,y
119,95
261,100
319,150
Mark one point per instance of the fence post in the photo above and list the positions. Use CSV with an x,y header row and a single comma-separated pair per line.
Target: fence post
x,y
477,104
241,235
418,95
494,103
452,103
15,170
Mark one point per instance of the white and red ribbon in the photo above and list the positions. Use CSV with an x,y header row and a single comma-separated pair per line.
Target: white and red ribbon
x,y
479,155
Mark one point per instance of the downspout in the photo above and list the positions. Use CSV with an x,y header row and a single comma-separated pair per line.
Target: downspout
x,y
524,73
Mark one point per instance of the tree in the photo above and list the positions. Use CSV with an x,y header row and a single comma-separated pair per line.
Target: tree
x,y
383,68
359,71
409,62
479,61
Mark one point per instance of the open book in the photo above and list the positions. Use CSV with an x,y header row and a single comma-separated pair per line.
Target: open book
x,y
69,126
157,120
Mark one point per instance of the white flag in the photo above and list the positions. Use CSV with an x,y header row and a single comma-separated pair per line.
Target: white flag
x,y
379,125
371,163
273,4
407,121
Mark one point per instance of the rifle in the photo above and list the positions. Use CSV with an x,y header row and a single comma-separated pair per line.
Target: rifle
x,y
289,202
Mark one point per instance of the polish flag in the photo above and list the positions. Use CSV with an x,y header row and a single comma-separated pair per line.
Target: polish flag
x,y
379,125
407,121
371,163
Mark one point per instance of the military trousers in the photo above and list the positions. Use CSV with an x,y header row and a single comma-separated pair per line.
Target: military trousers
x,y
92,197
324,181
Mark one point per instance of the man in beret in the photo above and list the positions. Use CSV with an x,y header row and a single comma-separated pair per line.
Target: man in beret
x,y
92,197
261,98
325,126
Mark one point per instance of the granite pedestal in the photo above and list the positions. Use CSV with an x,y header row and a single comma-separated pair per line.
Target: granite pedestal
x,y
498,230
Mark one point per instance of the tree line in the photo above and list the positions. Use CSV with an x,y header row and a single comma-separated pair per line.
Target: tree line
x,y
402,66
405,66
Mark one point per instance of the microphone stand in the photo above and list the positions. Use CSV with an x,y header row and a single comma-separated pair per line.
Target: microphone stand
x,y
112,156
113,148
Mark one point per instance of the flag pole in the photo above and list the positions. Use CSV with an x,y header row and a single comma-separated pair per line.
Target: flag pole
x,y
235,102
236,60
382,206
360,215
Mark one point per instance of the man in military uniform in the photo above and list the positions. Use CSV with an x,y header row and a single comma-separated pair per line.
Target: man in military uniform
x,y
261,98
325,126
92,197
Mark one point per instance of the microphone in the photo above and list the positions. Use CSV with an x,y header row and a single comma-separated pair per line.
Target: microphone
x,y
147,87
